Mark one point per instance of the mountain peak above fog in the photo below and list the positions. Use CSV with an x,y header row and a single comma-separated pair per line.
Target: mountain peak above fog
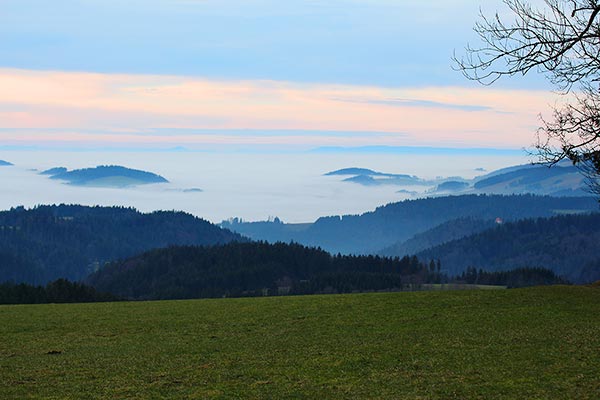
x,y
560,180
105,176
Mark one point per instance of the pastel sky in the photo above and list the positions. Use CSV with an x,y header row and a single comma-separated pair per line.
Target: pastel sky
x,y
288,74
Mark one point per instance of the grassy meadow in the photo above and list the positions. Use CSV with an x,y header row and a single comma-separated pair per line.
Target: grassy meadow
x,y
539,343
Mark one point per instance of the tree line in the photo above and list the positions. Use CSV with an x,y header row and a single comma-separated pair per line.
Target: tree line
x,y
516,278
259,268
58,291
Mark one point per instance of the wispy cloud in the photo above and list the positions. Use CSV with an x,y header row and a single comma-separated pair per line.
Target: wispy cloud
x,y
420,103
185,109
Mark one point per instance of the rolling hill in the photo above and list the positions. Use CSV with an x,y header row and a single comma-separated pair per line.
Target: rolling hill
x,y
562,179
567,245
252,269
50,242
445,232
559,180
370,232
104,176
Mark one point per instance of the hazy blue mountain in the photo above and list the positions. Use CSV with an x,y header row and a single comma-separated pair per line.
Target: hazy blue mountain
x,y
105,176
397,222
356,171
408,192
5,163
365,180
505,170
271,231
368,177
54,171
562,179
443,233
49,242
537,179
403,180
452,186
399,180
567,245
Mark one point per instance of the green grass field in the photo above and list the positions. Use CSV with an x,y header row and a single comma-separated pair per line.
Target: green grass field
x,y
540,343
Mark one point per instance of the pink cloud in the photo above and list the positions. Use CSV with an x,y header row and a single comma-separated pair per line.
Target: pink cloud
x,y
124,103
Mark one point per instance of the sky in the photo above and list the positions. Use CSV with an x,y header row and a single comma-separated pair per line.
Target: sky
x,y
272,74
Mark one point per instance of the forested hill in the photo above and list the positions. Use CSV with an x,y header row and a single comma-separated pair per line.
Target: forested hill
x,y
370,232
105,175
259,269
567,245
49,242
446,232
253,269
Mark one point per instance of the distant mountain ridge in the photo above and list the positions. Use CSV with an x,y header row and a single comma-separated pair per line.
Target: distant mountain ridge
x,y
452,186
387,225
368,177
557,180
356,171
5,163
105,176
562,179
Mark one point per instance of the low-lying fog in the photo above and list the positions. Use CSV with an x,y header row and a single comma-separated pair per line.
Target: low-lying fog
x,y
251,186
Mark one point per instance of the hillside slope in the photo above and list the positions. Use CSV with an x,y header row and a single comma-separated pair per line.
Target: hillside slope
x,y
251,269
567,245
50,242
445,232
387,225
559,180
105,176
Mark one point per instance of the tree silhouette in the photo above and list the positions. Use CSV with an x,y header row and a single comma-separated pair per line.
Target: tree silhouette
x,y
561,40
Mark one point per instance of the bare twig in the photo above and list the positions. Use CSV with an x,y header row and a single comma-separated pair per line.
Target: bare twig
x,y
561,41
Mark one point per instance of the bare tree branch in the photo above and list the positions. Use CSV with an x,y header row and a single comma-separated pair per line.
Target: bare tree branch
x,y
562,41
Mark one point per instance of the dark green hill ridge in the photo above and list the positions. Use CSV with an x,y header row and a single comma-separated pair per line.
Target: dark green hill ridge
x,y
50,242
567,245
253,269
